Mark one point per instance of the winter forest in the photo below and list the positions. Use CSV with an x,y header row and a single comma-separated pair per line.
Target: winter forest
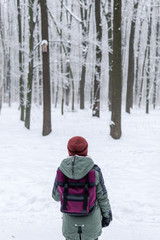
x,y
87,68
80,54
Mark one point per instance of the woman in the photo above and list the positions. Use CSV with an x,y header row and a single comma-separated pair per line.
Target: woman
x,y
77,166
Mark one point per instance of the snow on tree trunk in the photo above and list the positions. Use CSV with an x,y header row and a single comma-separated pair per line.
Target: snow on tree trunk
x,y
97,75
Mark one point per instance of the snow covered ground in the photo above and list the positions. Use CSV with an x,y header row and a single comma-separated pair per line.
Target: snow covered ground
x,y
28,162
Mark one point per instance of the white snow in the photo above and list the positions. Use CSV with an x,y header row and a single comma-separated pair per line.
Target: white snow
x,y
44,42
28,162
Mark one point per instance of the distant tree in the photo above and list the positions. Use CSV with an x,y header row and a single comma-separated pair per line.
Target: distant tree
x,y
137,61
115,126
3,50
146,65
21,81
109,19
46,71
85,11
68,49
97,75
157,54
110,43
61,59
149,60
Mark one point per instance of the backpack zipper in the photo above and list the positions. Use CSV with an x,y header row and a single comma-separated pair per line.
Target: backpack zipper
x,y
73,161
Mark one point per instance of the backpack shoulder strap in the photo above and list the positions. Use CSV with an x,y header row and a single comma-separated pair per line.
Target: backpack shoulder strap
x,y
86,193
65,193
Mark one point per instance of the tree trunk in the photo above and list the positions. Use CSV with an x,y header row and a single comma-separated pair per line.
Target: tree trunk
x,y
4,53
137,62
61,60
142,79
85,16
68,49
82,84
9,77
97,76
156,64
30,67
130,80
39,57
115,126
110,43
21,81
149,61
46,72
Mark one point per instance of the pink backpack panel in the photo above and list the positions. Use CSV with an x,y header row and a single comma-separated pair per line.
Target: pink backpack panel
x,y
77,196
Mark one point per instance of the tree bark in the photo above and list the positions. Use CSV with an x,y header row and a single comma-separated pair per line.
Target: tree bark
x,y
137,63
46,72
21,81
61,59
4,61
97,75
156,65
85,16
30,67
115,126
130,80
149,61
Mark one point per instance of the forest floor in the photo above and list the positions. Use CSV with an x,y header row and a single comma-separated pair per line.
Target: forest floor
x,y
28,163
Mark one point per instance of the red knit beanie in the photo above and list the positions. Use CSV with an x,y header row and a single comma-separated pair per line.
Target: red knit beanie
x,y
77,146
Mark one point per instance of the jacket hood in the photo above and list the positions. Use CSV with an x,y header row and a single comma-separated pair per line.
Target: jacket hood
x,y
76,167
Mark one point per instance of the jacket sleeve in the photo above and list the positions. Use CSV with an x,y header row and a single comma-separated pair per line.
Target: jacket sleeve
x,y
55,192
101,193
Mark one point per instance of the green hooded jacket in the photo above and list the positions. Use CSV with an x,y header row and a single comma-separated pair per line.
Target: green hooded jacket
x,y
76,167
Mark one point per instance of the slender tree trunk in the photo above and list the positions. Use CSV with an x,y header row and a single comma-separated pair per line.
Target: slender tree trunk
x,y
97,76
137,63
57,88
110,43
39,56
21,81
130,80
115,126
68,49
84,55
85,16
30,67
156,65
142,79
46,72
109,19
61,60
149,62
9,77
3,48
82,84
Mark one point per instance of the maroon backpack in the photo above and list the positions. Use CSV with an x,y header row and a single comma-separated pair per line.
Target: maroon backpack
x,y
77,196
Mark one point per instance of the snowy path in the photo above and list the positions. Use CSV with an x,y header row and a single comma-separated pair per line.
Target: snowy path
x,y
131,168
